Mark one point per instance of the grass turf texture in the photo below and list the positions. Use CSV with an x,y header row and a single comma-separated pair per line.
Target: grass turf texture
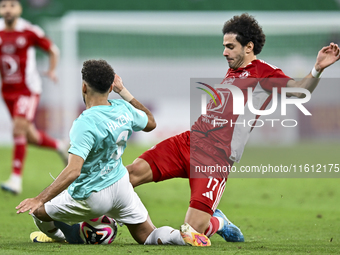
x,y
277,216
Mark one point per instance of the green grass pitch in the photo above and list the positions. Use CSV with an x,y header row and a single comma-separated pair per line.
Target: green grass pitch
x,y
277,216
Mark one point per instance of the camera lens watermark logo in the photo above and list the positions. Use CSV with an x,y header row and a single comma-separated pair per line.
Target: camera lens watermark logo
x,y
224,92
204,98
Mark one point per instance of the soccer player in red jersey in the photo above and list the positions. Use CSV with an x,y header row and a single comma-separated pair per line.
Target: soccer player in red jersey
x,y
21,84
205,144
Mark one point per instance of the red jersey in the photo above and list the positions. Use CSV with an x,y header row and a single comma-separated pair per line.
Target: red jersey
x,y
18,69
230,138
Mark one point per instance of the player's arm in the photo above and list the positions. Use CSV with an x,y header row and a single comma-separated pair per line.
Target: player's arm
x,y
65,178
40,40
53,54
326,57
125,94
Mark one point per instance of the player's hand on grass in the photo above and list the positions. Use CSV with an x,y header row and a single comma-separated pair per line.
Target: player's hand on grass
x,y
118,84
327,56
29,204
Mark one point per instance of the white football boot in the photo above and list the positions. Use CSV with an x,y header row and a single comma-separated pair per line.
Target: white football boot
x,y
13,184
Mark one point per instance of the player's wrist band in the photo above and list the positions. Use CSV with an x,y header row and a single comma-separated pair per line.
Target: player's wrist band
x,y
315,73
126,95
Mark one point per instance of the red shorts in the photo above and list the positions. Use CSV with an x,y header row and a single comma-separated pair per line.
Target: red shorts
x,y
171,159
23,106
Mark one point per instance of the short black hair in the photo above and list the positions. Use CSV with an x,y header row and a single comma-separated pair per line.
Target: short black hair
x,y
98,74
247,30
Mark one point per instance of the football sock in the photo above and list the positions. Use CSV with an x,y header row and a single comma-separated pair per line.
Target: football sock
x,y
20,143
49,229
214,226
47,141
165,235
72,233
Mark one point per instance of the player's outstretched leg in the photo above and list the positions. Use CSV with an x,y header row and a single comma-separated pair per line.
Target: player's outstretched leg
x,y
229,231
192,237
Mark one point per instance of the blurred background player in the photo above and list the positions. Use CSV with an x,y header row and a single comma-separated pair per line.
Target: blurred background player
x,y
21,84
207,145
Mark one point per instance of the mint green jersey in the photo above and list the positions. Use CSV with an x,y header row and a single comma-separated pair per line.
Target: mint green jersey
x,y
99,136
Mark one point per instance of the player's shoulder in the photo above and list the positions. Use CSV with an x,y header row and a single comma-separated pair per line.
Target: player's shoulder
x,y
120,103
264,65
127,107
25,25
264,69
85,120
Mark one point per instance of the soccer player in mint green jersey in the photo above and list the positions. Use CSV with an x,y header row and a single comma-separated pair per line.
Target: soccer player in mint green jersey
x,y
97,182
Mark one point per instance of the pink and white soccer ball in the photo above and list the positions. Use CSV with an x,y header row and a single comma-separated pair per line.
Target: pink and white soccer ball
x,y
102,230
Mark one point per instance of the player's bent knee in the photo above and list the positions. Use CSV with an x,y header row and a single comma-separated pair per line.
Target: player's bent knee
x,y
20,127
41,214
139,172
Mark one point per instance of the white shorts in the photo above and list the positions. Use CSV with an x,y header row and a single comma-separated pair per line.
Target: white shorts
x,y
118,201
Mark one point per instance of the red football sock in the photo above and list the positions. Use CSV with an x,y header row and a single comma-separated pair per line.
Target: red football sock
x,y
47,141
214,224
19,154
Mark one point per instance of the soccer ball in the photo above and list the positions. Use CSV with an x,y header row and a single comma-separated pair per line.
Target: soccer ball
x,y
102,230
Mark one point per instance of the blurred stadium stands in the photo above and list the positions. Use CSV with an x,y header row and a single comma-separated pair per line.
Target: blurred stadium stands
x,y
34,10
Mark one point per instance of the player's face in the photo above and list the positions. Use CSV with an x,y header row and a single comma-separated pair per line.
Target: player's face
x,y
10,10
233,51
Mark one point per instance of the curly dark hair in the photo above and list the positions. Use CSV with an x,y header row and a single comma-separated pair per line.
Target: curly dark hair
x,y
98,74
247,30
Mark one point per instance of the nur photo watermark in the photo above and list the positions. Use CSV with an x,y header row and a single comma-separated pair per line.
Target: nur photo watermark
x,y
225,113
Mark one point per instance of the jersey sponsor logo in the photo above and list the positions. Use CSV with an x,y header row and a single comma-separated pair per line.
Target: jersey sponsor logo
x,y
220,108
8,49
213,90
10,68
21,41
218,97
